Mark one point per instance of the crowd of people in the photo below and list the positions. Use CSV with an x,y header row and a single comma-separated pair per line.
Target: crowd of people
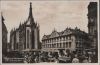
x,y
60,57
44,56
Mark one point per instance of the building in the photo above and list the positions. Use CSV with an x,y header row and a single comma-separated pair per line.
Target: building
x,y
92,24
26,36
93,27
4,36
72,39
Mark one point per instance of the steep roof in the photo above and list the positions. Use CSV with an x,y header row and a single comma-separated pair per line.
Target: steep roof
x,y
30,19
67,31
3,24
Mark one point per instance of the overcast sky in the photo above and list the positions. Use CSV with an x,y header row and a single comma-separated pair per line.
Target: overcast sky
x,y
49,14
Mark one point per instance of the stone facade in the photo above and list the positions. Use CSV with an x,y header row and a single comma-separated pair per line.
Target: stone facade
x,y
4,36
72,39
92,25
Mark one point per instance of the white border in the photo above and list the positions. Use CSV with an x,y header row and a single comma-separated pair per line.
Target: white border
x,y
0,39
50,63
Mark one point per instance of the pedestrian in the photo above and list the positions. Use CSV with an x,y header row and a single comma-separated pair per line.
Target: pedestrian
x,y
75,59
85,60
72,56
81,58
36,59
89,59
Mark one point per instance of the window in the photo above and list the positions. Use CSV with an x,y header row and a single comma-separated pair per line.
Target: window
x,y
28,38
56,39
60,45
46,45
69,37
69,44
77,45
64,38
66,45
63,45
50,45
57,45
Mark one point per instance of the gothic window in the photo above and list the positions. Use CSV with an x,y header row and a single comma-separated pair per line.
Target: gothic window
x,y
27,38
17,45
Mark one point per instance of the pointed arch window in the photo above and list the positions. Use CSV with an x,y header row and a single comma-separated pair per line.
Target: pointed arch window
x,y
28,36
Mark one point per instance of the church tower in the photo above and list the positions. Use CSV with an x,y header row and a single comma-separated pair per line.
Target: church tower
x,y
92,23
4,35
26,37
32,32
93,28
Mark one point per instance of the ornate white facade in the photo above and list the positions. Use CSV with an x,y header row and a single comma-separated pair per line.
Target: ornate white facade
x,y
72,39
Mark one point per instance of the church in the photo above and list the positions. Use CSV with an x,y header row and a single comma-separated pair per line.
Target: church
x,y
93,28
26,36
4,36
92,25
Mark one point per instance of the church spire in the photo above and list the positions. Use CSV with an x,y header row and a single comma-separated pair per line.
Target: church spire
x,y
2,17
30,17
30,12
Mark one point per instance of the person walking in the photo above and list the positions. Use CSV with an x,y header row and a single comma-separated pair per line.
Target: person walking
x,y
85,60
36,59
75,59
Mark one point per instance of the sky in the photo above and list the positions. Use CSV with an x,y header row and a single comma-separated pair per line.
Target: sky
x,y
49,14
